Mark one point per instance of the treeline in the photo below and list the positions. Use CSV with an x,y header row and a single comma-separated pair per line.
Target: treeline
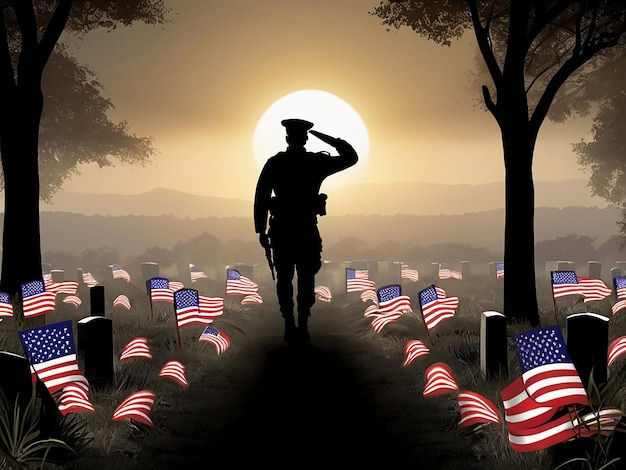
x,y
206,250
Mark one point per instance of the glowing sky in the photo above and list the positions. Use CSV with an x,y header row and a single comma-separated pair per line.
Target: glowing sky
x,y
200,84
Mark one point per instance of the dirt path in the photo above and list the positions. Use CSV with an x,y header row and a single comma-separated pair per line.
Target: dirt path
x,y
338,399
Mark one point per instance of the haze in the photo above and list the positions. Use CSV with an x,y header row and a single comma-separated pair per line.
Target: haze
x,y
200,85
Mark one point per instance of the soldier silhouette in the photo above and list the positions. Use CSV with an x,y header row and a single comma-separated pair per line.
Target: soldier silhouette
x,y
287,193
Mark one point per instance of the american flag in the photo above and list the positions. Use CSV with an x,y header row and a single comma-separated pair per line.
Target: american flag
x,y
436,306
119,273
122,301
446,273
252,299
89,280
50,350
383,319
546,368
407,273
323,293
196,273
617,348
189,312
357,280
137,406
72,300
63,287
567,283
136,348
439,380
6,307
219,339
174,370
74,399
390,299
413,349
236,284
370,295
36,300
390,306
476,409
176,285
570,425
499,270
521,411
160,290
210,307
620,292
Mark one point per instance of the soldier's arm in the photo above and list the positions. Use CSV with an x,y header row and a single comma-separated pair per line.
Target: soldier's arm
x,y
262,197
347,155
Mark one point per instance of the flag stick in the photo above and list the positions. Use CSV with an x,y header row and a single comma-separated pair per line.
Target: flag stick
x,y
556,319
180,344
426,326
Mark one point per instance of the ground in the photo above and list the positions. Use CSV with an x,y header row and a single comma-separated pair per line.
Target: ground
x,y
343,397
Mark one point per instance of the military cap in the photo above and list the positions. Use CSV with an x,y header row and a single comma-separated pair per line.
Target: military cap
x,y
296,125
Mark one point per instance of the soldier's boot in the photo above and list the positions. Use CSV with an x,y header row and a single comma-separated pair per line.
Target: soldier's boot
x,y
303,327
291,332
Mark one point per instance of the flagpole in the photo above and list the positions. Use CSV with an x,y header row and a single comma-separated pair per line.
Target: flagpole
x,y
556,319
426,326
180,344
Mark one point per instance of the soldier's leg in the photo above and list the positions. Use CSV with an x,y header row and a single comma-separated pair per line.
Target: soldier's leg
x,y
284,291
306,292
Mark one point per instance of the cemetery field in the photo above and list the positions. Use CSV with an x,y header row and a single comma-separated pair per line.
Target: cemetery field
x,y
348,394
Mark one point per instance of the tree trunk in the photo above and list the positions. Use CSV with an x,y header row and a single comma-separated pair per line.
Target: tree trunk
x,y
21,243
520,289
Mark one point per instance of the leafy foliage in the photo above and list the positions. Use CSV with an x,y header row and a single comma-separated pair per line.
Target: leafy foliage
x,y
20,436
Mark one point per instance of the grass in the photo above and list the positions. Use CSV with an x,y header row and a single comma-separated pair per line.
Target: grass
x,y
455,342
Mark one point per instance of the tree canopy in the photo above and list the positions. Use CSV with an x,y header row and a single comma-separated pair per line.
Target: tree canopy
x,y
36,108
536,53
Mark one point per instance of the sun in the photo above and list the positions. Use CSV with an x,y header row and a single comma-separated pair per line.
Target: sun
x,y
329,114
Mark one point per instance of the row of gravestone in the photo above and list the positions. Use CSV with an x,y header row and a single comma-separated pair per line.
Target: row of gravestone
x,y
334,273
95,340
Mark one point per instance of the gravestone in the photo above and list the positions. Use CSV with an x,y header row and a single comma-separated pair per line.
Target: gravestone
x,y
559,266
372,267
184,274
333,275
95,348
565,266
16,383
494,360
394,272
361,264
96,301
58,275
16,378
588,345
616,272
493,270
149,270
594,269
79,277
466,271
621,265
214,271
434,270
46,268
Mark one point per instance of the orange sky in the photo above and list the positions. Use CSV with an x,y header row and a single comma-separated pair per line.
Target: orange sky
x,y
200,85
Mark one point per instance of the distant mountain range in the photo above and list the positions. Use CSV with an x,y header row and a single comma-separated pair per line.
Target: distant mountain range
x,y
416,198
